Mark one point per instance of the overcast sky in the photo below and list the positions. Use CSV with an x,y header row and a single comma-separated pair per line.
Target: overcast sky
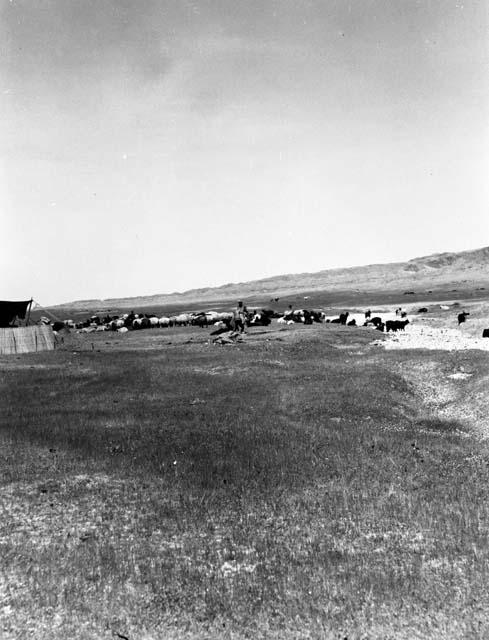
x,y
149,146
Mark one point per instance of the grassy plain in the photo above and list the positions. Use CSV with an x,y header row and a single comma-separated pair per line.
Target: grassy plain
x,y
296,485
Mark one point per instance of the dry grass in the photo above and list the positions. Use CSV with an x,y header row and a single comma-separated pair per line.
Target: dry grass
x,y
282,488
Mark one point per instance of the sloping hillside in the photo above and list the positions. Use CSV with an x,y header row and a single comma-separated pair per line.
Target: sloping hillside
x,y
429,272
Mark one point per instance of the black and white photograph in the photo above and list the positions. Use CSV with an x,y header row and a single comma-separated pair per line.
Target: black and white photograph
x,y
244,319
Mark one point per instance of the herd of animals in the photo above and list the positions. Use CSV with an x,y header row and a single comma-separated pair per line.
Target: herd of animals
x,y
226,321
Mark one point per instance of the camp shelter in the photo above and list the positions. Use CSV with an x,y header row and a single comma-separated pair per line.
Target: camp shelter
x,y
26,339
11,310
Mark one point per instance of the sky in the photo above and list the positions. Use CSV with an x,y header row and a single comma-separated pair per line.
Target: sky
x,y
152,146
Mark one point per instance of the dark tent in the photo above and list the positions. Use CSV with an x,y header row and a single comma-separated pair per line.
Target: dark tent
x,y
10,310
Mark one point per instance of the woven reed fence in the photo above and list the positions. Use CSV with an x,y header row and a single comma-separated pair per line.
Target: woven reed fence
x,y
26,339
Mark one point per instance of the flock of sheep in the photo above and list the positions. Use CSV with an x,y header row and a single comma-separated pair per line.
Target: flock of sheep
x,y
233,323
135,321
222,321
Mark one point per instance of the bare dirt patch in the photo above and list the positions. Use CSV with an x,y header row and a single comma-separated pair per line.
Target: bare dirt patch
x,y
417,336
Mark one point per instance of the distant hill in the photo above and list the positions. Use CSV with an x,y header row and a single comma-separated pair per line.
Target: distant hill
x,y
432,271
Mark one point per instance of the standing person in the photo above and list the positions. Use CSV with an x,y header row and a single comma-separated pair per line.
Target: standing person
x,y
239,317
288,313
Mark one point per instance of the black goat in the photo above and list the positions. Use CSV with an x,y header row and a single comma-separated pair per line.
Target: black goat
x,y
395,325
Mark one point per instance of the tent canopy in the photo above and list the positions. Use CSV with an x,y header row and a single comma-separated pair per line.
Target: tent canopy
x,y
9,310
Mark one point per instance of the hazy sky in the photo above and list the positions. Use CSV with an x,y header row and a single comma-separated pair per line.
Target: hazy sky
x,y
149,146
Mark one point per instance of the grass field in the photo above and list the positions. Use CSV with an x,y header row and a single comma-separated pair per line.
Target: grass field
x,y
301,484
